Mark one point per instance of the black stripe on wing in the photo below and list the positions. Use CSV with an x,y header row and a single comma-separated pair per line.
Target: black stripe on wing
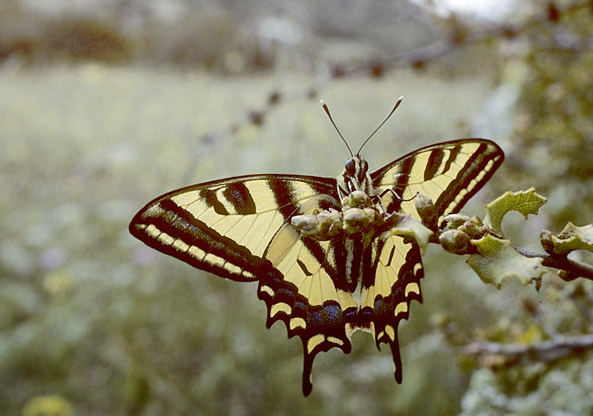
x,y
478,169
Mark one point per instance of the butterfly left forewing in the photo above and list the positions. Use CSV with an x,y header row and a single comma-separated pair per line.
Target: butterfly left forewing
x,y
224,226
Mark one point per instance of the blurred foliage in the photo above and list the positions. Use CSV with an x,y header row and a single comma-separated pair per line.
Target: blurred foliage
x,y
532,391
48,406
553,134
91,319
38,39
234,36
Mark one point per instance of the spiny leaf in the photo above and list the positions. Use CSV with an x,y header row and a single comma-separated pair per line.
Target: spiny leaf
x,y
572,238
525,202
497,260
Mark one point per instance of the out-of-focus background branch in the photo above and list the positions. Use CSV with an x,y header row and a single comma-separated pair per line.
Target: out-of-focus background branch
x,y
107,104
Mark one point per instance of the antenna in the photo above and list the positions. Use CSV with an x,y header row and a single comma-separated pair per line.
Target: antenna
x,y
399,101
324,105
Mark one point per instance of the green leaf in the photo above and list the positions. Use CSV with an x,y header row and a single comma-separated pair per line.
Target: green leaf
x,y
407,226
497,260
573,238
525,202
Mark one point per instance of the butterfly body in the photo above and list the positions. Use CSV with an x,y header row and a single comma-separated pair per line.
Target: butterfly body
x,y
320,248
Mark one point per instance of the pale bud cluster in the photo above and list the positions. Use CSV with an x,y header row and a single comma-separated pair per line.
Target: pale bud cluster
x,y
322,226
358,215
461,229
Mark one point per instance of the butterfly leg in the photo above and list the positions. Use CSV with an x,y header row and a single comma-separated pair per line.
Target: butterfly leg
x,y
395,195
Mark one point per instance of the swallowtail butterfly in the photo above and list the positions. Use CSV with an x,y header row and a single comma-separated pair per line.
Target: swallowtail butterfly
x,y
320,248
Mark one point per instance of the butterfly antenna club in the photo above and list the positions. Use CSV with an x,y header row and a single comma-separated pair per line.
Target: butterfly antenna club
x,y
326,109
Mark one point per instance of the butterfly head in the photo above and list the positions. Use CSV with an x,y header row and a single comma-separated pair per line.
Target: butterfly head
x,y
355,177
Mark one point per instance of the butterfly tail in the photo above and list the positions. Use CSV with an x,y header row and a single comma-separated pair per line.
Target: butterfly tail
x,y
312,346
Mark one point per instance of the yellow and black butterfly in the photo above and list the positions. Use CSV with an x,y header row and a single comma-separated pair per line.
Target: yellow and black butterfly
x,y
323,279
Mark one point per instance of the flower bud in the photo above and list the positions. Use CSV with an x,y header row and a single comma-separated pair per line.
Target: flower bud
x,y
455,241
546,241
455,221
306,224
427,211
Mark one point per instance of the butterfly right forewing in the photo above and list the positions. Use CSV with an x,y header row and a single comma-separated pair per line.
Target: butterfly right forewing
x,y
449,173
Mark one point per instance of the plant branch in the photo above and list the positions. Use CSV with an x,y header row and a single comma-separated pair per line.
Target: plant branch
x,y
553,349
574,269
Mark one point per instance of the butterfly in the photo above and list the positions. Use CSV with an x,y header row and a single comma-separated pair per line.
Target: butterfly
x,y
320,248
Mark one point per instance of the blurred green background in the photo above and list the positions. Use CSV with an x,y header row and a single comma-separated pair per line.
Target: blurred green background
x,y
106,105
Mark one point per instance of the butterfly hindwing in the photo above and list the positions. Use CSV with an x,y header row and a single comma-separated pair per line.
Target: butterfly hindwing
x,y
308,296
386,298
